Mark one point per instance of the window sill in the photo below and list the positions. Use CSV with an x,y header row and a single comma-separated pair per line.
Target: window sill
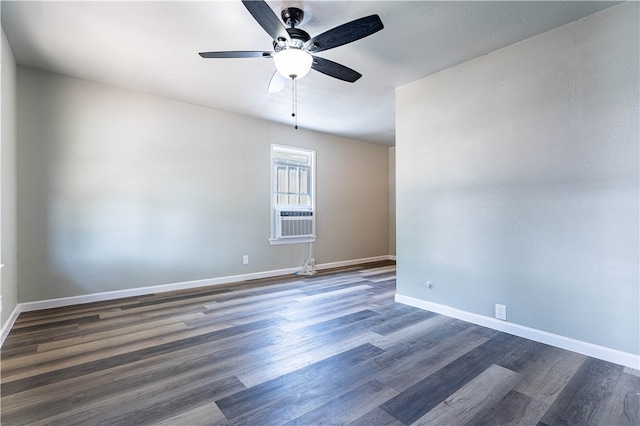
x,y
280,241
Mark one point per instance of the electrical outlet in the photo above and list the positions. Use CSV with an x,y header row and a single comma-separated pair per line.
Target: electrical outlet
x,y
245,259
501,312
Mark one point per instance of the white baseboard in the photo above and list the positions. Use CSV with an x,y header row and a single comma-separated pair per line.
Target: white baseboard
x,y
352,262
141,291
585,348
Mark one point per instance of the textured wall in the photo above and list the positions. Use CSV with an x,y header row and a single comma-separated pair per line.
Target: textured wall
x,y
518,182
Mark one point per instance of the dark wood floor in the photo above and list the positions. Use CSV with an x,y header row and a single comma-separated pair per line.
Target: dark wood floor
x,y
328,349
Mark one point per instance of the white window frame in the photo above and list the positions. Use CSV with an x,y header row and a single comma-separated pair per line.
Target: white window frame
x,y
275,207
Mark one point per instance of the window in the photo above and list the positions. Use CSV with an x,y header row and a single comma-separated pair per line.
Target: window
x,y
292,195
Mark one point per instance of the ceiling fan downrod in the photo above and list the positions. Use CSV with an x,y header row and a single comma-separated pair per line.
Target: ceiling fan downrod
x,y
292,16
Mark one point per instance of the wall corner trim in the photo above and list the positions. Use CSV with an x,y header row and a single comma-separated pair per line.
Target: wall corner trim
x,y
562,342
6,328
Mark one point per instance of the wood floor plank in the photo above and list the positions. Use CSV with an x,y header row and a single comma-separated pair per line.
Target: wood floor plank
x,y
331,287
546,375
318,315
377,271
207,414
382,277
342,321
61,319
623,408
15,340
43,325
170,299
392,321
335,294
84,338
485,390
250,296
231,319
513,409
63,312
256,303
412,332
141,318
376,417
584,398
347,407
142,308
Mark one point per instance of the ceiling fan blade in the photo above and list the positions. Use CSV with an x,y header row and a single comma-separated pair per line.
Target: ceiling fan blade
x,y
277,82
268,20
237,54
345,33
334,69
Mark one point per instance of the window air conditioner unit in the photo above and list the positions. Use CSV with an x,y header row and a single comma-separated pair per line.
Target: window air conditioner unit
x,y
294,223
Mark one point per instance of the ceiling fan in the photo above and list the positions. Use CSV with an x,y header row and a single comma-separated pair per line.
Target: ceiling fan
x,y
294,49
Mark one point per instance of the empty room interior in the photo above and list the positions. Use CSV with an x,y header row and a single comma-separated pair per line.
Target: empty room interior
x,y
320,212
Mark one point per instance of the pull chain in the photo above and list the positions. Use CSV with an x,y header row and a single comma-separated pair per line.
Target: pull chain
x,y
294,114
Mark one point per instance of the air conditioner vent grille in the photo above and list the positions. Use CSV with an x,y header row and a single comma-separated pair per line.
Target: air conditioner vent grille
x,y
294,224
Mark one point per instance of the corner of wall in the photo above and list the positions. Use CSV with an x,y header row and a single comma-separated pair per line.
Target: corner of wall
x,y
8,200
392,201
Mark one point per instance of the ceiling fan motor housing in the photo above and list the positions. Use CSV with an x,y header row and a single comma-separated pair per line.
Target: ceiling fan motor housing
x,y
298,39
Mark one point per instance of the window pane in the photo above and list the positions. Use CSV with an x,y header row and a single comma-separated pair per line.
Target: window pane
x,y
304,181
292,177
292,157
293,185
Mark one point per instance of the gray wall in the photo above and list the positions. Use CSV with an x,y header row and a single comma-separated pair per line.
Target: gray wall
x,y
8,247
120,190
518,182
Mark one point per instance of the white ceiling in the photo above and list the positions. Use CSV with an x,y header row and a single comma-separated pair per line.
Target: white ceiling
x,y
153,46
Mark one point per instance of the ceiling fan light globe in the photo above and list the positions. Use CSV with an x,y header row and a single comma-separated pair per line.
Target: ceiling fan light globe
x,y
293,62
